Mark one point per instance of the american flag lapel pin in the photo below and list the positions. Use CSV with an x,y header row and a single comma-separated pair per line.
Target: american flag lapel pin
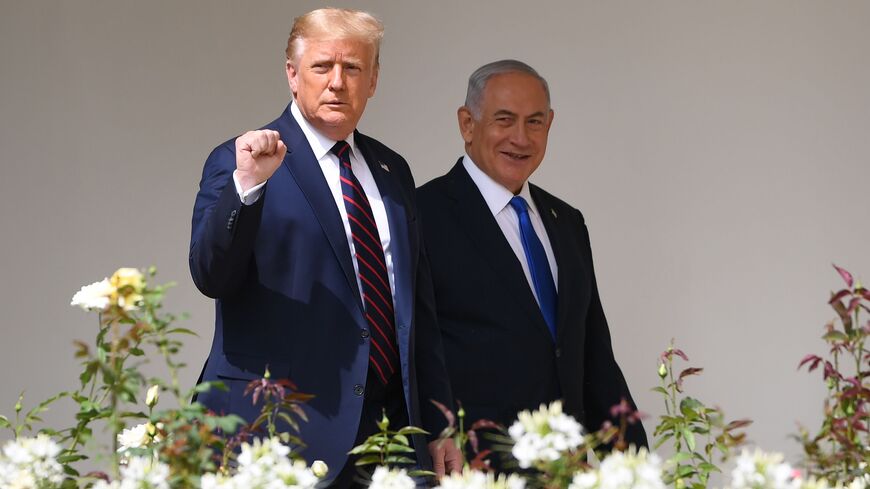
x,y
384,166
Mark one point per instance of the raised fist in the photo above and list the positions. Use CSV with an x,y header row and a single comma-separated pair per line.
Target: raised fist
x,y
258,155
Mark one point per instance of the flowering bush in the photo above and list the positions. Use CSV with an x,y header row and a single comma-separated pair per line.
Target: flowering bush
x,y
189,447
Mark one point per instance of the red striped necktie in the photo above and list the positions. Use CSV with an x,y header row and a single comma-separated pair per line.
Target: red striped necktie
x,y
377,295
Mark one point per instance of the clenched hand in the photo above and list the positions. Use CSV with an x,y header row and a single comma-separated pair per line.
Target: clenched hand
x,y
258,155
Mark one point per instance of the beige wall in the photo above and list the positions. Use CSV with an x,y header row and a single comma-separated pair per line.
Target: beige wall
x,y
719,151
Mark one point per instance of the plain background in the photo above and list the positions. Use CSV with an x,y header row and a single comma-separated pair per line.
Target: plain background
x,y
719,151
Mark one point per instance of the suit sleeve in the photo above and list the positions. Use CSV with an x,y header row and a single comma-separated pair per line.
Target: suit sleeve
x,y
432,368
604,385
223,230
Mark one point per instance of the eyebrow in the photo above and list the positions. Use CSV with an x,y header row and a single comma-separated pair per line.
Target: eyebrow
x,y
512,114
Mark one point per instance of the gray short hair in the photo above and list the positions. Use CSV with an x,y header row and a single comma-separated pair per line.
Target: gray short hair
x,y
477,81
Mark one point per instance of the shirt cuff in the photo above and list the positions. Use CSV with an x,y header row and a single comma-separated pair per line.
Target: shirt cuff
x,y
251,195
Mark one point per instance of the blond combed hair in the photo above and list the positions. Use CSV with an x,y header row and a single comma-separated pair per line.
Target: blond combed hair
x,y
328,24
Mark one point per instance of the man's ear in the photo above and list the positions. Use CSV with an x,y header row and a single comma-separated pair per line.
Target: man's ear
x,y
550,121
466,123
374,83
291,77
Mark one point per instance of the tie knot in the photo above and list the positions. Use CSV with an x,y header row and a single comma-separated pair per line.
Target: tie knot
x,y
341,149
519,204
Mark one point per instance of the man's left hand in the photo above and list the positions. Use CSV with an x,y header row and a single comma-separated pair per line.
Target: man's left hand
x,y
446,458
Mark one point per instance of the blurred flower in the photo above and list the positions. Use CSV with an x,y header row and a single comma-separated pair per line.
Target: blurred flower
x,y
152,395
386,478
129,284
138,436
94,297
264,464
760,470
473,479
544,435
319,469
30,463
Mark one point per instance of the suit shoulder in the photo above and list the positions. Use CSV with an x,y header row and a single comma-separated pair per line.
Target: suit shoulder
x,y
379,148
559,205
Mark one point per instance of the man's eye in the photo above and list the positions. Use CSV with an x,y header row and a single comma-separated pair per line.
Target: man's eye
x,y
320,68
536,122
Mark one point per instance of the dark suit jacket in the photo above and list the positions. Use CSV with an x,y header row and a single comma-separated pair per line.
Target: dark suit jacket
x,y
287,295
500,354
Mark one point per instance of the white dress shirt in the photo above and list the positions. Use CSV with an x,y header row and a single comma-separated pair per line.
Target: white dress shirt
x,y
329,165
498,199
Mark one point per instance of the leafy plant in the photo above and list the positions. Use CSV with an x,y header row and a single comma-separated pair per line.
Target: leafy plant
x,y
389,448
700,435
840,451
463,438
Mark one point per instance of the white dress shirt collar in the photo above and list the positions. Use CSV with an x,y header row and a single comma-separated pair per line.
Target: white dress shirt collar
x,y
320,144
497,197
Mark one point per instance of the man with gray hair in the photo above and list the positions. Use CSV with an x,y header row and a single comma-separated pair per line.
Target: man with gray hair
x,y
515,289
305,234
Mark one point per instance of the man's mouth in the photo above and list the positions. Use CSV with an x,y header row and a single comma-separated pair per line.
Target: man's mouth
x,y
515,156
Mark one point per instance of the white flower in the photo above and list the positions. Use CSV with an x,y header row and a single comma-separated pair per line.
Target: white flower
x,y
28,463
138,436
265,465
385,478
584,480
152,395
474,479
94,297
544,435
144,473
631,470
760,470
319,468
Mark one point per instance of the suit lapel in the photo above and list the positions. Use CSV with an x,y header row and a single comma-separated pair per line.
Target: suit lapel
x,y
397,215
305,170
567,261
483,230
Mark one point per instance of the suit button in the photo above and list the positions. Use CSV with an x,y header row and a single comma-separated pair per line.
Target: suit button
x,y
558,352
358,389
233,213
364,333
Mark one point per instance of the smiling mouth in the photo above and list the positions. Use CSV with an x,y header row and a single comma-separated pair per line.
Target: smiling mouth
x,y
516,156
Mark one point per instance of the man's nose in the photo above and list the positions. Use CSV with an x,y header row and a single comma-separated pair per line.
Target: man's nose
x,y
520,135
336,78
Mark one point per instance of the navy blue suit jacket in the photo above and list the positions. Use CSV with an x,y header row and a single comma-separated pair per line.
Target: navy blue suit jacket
x,y
500,355
287,295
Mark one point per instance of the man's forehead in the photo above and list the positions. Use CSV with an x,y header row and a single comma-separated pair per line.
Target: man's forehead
x,y
345,46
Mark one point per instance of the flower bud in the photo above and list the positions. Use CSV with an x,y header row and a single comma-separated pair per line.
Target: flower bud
x,y
319,469
461,412
152,396
663,371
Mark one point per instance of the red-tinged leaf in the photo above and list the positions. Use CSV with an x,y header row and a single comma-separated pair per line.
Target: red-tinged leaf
x,y
680,354
839,295
844,315
847,277
853,304
737,424
97,475
472,438
685,373
637,416
865,293
480,463
831,372
486,424
620,409
451,418
815,359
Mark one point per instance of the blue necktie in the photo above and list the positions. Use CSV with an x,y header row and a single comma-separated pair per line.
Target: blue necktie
x,y
377,297
539,266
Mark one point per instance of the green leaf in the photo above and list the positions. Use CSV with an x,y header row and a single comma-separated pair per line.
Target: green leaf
x,y
421,473
368,460
412,430
398,459
685,471
690,438
835,335
182,331
708,467
680,457
4,422
137,352
661,390
401,439
395,447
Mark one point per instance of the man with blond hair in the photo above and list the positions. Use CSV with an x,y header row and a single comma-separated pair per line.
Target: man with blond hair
x,y
305,233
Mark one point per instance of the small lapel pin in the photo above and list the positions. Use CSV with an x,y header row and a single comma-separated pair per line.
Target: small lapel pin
x,y
384,166
553,211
